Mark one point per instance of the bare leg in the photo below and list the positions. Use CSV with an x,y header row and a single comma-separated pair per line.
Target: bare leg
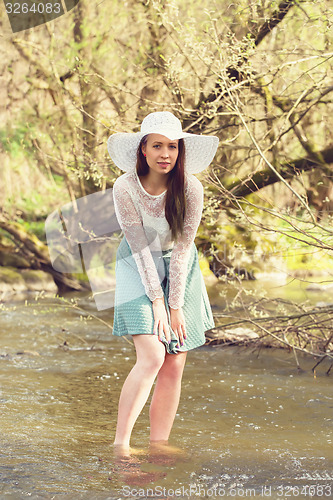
x,y
137,386
166,396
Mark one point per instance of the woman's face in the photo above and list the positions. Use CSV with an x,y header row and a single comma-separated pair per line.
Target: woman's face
x,y
161,153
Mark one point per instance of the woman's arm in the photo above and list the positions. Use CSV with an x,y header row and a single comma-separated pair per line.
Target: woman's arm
x,y
180,252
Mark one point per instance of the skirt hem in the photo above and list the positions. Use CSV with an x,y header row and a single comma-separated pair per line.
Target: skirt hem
x,y
176,349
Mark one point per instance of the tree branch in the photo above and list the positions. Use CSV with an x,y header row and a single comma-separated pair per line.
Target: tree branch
x,y
278,15
266,177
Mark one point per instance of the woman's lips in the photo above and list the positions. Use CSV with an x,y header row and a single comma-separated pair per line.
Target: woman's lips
x,y
163,164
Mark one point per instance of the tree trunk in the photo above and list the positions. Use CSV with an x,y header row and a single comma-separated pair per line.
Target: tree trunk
x,y
36,252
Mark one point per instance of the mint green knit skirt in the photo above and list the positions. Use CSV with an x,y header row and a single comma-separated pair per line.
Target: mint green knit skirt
x,y
133,311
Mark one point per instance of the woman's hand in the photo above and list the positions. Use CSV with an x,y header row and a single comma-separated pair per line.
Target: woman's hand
x,y
177,320
161,319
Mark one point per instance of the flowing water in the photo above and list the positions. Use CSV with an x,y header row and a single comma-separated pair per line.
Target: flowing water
x,y
248,423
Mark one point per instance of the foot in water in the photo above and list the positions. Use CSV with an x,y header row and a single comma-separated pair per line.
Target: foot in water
x,y
165,453
127,465
121,450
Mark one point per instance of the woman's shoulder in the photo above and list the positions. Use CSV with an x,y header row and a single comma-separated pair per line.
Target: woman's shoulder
x,y
123,181
192,184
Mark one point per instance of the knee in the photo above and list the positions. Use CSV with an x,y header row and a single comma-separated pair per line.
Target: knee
x,y
151,365
150,354
173,372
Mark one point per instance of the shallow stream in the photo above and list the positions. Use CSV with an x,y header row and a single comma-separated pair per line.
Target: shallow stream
x,y
248,423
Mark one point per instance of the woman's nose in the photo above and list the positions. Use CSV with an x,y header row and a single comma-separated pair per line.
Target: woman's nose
x,y
165,153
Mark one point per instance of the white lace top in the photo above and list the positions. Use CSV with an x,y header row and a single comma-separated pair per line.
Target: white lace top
x,y
141,217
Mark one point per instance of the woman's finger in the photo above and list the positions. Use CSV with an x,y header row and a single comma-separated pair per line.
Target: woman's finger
x,y
180,335
179,340
167,332
160,331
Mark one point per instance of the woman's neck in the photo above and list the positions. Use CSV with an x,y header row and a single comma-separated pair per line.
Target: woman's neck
x,y
154,182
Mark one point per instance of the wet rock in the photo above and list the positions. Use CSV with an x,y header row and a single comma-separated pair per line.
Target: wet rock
x,y
12,260
38,280
314,402
231,335
320,287
30,353
11,279
14,280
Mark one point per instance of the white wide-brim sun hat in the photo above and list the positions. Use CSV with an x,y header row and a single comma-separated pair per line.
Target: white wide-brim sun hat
x,y
199,149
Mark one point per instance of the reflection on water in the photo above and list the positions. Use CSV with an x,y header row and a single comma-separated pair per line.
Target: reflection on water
x,y
245,422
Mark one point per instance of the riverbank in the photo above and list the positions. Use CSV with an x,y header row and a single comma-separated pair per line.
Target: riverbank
x,y
16,282
273,311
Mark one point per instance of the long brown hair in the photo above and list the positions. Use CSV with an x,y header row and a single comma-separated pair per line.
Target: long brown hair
x,y
175,201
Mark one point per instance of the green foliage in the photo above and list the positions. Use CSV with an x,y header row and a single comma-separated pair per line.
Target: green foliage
x,y
35,227
302,254
41,202
14,139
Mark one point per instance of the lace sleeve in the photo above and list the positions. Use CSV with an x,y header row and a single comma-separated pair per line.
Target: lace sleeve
x,y
133,230
181,249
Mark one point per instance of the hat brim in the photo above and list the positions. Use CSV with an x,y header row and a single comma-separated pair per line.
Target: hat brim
x,y
199,149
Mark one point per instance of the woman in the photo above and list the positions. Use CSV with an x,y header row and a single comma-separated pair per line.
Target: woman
x,y
160,297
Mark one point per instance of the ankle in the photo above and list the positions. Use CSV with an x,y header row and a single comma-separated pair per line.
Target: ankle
x,y
121,444
159,441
